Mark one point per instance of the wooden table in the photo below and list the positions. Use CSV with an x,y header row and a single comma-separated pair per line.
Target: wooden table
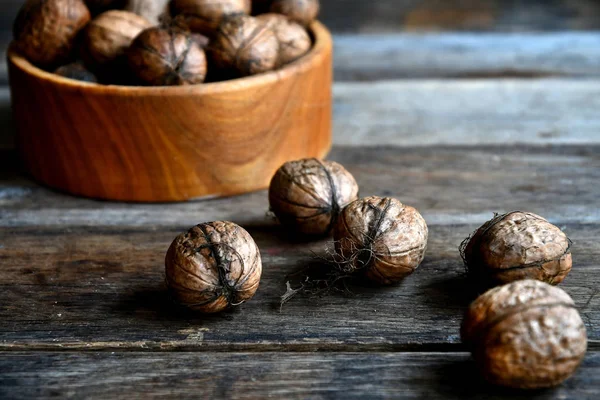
x,y
83,307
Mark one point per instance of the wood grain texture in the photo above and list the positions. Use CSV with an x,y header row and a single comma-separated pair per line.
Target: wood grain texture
x,y
448,185
258,376
172,143
81,274
372,57
450,112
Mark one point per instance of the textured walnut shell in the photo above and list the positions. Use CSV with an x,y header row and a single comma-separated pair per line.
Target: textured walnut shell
x,y
245,46
152,10
213,266
76,71
517,246
205,16
381,237
302,11
166,57
294,40
308,195
45,30
108,36
526,334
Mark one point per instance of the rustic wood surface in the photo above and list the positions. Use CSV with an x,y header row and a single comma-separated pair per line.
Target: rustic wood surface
x,y
83,307
210,375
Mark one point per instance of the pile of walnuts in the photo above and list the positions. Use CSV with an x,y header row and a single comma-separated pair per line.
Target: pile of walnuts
x,y
163,42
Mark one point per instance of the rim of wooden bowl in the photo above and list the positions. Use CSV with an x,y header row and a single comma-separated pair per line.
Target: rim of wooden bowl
x,y
322,42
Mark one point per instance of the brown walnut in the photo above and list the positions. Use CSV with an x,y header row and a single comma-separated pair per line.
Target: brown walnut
x,y
302,11
213,266
245,46
526,334
167,57
308,195
294,41
45,30
205,16
107,38
76,71
381,237
515,246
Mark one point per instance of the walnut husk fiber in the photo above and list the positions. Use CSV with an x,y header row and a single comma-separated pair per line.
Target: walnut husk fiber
x,y
382,238
308,195
517,245
213,266
526,334
45,31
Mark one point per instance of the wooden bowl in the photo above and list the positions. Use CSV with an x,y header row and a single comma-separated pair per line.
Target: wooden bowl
x,y
172,143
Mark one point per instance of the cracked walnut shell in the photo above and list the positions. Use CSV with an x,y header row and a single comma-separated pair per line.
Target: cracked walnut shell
x,y
213,266
526,334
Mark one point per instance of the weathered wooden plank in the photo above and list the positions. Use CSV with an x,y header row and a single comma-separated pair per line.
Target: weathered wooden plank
x,y
257,376
450,185
102,288
464,55
450,112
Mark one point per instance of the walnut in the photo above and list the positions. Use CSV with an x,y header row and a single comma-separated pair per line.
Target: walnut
x,y
45,30
526,334
107,38
205,16
167,57
302,11
245,46
213,266
382,238
294,40
308,195
517,245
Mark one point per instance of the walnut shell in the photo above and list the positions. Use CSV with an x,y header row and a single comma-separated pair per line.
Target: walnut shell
x,y
107,38
213,266
205,16
245,46
308,195
526,334
153,10
76,71
167,57
381,237
302,11
45,30
515,246
294,41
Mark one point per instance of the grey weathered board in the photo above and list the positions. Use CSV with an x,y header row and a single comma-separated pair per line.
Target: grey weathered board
x,y
209,375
